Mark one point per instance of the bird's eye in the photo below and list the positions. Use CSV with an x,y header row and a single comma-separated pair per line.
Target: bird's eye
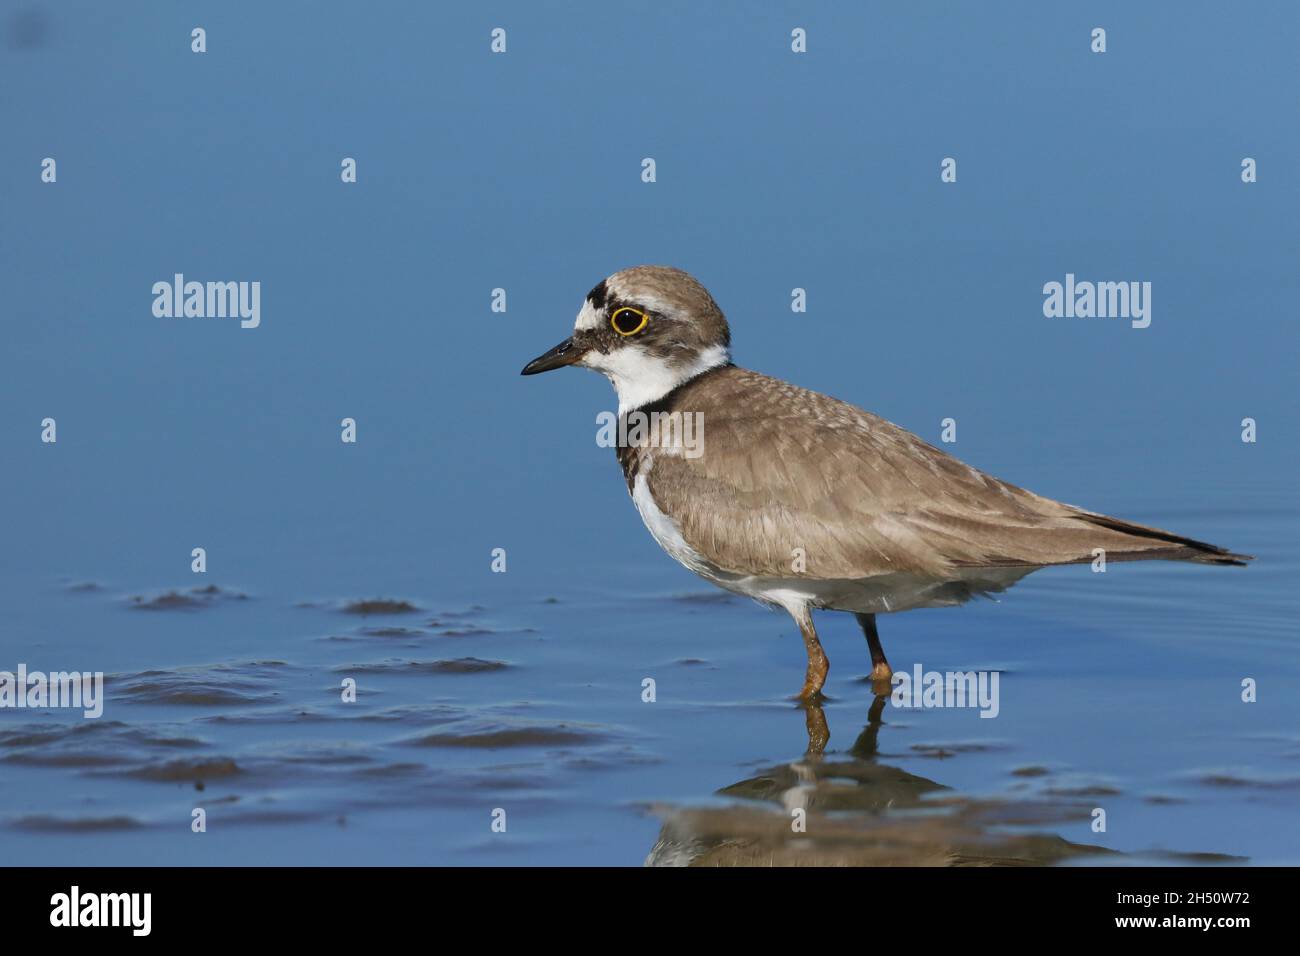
x,y
628,321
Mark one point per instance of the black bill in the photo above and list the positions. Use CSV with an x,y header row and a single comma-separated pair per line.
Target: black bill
x,y
566,353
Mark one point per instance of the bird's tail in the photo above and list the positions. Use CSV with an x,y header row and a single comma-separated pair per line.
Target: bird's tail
x,y
1179,548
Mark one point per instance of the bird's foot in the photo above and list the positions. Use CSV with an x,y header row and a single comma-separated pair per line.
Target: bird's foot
x,y
882,676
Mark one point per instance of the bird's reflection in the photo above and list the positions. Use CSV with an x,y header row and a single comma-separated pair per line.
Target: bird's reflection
x,y
853,809
857,782
819,732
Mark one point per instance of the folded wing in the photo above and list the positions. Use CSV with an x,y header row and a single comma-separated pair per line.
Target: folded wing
x,y
787,472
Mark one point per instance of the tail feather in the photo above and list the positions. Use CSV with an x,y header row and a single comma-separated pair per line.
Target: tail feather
x,y
1184,549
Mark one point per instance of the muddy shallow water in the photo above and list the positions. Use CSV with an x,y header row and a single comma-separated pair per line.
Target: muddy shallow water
x,y
231,700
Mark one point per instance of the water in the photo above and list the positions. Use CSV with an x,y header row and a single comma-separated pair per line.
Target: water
x,y
522,691
1118,692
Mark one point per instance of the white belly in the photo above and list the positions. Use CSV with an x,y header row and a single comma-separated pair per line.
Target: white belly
x,y
664,530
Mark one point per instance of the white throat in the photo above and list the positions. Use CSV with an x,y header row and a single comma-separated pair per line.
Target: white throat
x,y
640,378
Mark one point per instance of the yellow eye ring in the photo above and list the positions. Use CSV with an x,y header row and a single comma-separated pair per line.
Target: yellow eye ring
x,y
626,315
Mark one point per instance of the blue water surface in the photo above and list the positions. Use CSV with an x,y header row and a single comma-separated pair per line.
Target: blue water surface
x,y
1120,691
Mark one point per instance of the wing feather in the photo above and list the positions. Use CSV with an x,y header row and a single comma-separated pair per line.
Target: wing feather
x,y
784,468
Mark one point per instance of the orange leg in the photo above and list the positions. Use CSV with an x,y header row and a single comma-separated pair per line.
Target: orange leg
x,y
819,732
818,665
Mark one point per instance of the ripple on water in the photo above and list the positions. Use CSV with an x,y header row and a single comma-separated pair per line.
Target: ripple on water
x,y
186,600
414,636
88,744
460,665
1084,790
278,715
251,682
951,749
702,597
497,734
371,606
187,770
415,714
50,823
1246,779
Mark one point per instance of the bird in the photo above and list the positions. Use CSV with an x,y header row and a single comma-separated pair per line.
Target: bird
x,y
804,502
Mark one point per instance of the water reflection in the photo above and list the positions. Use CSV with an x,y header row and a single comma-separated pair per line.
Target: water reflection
x,y
854,810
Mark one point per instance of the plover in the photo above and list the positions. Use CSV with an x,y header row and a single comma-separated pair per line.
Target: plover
x,y
803,501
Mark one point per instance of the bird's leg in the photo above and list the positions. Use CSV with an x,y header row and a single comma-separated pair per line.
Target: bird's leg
x,y
819,732
880,669
818,665
865,747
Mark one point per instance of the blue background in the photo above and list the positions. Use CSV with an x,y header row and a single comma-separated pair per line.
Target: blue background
x,y
522,171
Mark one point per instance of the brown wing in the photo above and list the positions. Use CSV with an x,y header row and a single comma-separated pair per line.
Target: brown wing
x,y
785,468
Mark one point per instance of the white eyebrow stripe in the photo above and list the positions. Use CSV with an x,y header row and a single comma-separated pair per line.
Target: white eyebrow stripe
x,y
588,318
643,300
652,303
640,298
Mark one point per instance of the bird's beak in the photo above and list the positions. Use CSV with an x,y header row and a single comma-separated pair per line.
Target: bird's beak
x,y
566,353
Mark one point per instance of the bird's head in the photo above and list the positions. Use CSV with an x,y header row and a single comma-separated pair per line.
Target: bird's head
x,y
648,329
